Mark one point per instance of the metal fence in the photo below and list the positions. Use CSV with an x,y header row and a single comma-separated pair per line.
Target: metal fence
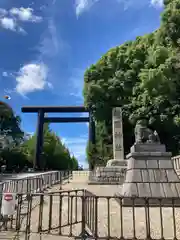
x,y
33,184
81,214
36,183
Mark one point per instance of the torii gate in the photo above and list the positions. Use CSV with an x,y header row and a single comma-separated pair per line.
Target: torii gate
x,y
41,110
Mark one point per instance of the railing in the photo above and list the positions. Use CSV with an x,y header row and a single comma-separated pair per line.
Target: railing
x,y
81,173
55,213
34,183
25,185
81,214
89,214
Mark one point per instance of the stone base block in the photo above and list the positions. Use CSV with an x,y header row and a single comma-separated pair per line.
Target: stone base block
x,y
149,155
147,202
151,190
106,180
103,183
109,172
107,175
148,147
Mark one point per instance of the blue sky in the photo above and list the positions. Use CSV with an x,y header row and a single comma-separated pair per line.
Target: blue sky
x,y
46,45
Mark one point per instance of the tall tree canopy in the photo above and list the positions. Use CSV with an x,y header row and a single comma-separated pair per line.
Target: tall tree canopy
x,y
142,76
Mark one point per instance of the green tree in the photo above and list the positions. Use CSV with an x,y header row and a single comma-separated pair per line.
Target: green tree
x,y
142,76
55,155
15,159
11,138
10,124
18,151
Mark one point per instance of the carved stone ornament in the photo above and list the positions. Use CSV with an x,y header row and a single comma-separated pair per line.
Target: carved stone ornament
x,y
145,135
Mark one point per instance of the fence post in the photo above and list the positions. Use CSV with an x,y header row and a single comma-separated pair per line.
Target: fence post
x,y
84,234
96,218
83,225
60,177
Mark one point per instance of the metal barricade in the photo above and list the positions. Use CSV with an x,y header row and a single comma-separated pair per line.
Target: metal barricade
x,y
82,214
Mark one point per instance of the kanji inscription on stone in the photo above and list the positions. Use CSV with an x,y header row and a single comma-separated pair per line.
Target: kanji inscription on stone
x,y
118,147
117,124
117,112
118,134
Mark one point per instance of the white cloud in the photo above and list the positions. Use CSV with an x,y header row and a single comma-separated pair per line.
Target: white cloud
x,y
21,30
85,114
8,91
28,135
4,74
140,3
9,19
8,23
83,5
135,4
49,46
25,14
31,77
50,85
11,24
157,3
3,12
77,83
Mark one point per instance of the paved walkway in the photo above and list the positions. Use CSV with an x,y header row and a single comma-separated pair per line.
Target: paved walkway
x,y
106,222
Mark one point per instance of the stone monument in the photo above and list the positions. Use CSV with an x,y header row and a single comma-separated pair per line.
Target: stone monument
x,y
114,171
118,146
150,173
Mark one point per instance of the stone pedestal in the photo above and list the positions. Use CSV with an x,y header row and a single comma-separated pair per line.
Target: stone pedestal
x,y
150,174
113,173
107,175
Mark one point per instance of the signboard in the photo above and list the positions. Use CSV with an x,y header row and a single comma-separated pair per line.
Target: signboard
x,y
8,197
8,203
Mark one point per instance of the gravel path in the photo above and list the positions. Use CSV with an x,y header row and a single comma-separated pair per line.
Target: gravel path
x,y
119,220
